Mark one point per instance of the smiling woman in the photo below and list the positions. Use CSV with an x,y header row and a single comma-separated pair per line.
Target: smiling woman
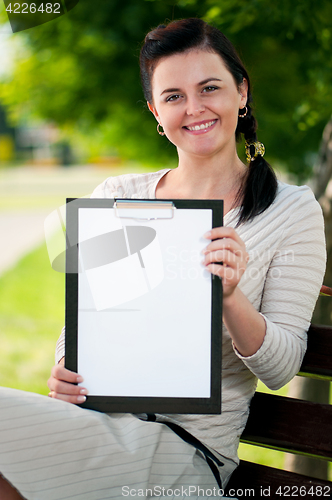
x,y
198,117
271,254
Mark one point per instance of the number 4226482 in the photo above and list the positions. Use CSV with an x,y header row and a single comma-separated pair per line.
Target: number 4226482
x,y
24,8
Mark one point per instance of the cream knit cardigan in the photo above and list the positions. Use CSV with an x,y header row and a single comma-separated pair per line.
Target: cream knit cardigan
x,y
286,245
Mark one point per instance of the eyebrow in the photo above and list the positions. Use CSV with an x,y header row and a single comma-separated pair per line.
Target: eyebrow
x,y
199,84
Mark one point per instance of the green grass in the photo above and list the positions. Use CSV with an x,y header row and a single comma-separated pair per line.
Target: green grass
x,y
31,318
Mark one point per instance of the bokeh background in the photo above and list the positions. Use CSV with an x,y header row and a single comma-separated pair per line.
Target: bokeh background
x,y
72,113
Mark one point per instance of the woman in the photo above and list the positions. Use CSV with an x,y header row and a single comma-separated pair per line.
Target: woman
x,y
273,253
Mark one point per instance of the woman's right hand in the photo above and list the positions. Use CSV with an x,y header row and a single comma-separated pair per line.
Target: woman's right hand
x,y
62,384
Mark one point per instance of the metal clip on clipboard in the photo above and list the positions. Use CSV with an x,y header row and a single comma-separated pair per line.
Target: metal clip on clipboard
x,y
144,209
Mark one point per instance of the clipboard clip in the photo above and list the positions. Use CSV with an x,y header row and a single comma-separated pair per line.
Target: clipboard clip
x,y
144,209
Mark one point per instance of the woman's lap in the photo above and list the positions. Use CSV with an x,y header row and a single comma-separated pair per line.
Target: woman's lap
x,y
54,450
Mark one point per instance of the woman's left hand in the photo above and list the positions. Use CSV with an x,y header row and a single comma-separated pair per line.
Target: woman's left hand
x,y
229,250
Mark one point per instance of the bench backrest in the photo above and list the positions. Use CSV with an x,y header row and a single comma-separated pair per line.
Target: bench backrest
x,y
293,426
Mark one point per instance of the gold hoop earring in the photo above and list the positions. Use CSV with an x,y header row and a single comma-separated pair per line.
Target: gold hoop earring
x,y
159,132
245,113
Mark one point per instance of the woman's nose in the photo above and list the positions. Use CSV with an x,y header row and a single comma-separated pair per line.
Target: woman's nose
x,y
194,106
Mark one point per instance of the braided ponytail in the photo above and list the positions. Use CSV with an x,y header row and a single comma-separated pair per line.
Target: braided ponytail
x,y
259,187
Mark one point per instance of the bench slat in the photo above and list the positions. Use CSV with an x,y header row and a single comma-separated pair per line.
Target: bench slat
x,y
317,362
263,479
290,425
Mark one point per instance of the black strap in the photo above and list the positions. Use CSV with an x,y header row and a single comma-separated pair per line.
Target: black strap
x,y
211,459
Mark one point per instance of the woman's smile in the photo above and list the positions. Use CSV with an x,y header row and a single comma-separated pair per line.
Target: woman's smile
x,y
200,127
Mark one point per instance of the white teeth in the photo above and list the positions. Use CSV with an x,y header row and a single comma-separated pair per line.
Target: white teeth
x,y
203,126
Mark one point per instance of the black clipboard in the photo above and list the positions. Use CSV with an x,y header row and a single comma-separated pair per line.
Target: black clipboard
x,y
104,240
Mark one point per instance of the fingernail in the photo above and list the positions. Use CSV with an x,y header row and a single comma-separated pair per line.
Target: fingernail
x,y
81,399
207,235
79,379
84,391
204,251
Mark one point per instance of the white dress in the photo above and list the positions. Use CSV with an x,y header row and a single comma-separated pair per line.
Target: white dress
x,y
55,450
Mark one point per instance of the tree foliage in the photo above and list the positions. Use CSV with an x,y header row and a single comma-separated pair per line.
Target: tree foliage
x,y
81,71
287,47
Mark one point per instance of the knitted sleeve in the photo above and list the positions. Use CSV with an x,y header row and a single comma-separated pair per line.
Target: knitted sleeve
x,y
290,292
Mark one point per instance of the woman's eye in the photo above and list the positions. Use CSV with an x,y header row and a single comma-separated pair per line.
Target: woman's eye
x,y
210,88
174,97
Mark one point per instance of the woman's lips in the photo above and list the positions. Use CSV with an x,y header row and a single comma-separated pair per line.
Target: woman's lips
x,y
201,128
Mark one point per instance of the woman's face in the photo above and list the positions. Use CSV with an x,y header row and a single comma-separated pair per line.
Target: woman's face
x,y
197,102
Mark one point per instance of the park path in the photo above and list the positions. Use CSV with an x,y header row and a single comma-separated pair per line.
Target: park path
x,y
20,233
29,194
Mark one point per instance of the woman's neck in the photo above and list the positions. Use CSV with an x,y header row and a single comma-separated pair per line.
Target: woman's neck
x,y
201,180
209,178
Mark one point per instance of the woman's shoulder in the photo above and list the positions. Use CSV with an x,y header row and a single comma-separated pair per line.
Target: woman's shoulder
x,y
294,208
137,185
292,197
293,205
284,190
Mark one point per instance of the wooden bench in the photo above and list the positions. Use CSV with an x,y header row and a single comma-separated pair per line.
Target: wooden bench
x,y
293,426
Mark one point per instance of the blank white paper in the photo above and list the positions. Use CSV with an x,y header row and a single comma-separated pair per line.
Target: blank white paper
x,y
144,320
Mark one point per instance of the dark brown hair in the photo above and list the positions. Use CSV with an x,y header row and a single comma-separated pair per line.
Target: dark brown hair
x,y
259,188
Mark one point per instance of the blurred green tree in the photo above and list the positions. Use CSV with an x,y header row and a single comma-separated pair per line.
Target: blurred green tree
x,y
81,71
287,46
